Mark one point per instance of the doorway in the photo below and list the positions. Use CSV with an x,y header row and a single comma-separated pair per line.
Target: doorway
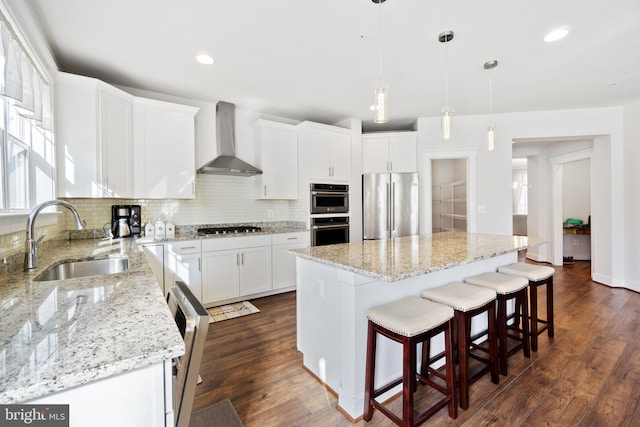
x,y
449,191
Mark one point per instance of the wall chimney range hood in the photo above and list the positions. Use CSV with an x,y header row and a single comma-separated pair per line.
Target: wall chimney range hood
x,y
227,163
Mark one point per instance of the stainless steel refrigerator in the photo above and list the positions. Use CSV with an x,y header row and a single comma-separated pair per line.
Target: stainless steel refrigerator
x,y
389,205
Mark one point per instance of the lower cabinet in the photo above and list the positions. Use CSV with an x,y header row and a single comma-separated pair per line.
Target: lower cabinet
x,y
229,268
183,263
284,263
234,267
141,397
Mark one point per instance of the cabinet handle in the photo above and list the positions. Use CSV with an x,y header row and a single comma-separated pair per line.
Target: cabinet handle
x,y
199,264
242,258
193,188
292,238
265,190
329,170
187,247
237,259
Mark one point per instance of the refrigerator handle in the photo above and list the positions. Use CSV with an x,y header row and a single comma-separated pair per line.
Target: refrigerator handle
x,y
388,208
391,207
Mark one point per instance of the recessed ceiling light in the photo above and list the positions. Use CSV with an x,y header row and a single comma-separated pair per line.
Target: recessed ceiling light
x,y
203,58
556,35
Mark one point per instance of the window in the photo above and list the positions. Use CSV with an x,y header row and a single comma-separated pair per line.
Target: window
x,y
27,162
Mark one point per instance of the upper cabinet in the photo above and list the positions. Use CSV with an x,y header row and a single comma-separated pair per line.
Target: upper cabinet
x,y
164,149
328,151
277,157
102,132
93,138
389,152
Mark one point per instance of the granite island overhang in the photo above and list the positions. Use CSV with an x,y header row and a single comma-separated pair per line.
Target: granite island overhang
x,y
337,284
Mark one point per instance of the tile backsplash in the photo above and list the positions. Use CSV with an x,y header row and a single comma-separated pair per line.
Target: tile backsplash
x,y
220,199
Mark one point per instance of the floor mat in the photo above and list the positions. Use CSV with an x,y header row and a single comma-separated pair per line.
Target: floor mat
x,y
231,311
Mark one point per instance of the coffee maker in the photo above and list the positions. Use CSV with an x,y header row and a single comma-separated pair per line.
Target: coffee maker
x,y
126,221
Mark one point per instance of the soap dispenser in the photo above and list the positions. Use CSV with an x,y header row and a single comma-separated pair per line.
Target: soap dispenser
x,y
169,227
149,229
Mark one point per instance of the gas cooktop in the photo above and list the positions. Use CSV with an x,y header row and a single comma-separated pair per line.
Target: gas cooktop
x,y
240,229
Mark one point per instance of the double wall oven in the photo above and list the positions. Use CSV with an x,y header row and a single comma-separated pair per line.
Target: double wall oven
x,y
329,214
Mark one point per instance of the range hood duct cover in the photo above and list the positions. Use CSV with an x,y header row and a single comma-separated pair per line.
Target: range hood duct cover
x,y
227,163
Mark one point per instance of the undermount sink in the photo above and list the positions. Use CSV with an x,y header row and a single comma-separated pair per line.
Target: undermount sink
x,y
94,267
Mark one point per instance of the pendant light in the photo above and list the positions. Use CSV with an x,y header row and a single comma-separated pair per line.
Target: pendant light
x,y
381,102
490,65
445,37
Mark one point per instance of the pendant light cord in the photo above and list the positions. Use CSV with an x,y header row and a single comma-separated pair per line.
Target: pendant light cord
x,y
380,35
446,77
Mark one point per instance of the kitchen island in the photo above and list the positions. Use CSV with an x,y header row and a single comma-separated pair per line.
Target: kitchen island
x,y
338,283
101,344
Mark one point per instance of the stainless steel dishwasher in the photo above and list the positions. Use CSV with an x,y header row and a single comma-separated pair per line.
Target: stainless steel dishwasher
x,y
193,322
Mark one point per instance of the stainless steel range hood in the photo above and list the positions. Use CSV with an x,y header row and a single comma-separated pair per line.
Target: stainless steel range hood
x,y
227,163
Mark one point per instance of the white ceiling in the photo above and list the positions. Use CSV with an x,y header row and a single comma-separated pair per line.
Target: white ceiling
x,y
306,60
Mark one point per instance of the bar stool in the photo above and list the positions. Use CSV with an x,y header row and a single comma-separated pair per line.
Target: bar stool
x,y
467,302
508,288
410,321
538,275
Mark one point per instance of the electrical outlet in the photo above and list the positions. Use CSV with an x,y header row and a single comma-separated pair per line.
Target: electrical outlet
x,y
320,288
482,209
576,242
270,213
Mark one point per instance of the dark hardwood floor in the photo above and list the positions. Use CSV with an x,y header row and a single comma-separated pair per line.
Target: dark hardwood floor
x,y
588,375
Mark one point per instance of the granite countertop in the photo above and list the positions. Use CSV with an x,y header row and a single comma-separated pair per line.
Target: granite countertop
x,y
64,333
191,233
400,258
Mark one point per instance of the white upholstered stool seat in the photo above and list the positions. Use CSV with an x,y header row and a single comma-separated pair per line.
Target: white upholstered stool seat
x,y
531,272
508,288
538,275
501,283
410,321
460,296
468,301
410,316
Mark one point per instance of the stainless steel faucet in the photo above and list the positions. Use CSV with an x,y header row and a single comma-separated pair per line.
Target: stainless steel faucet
x,y
31,245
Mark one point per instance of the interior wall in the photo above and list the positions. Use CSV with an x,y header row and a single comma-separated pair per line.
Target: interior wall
x,y
489,172
604,127
632,194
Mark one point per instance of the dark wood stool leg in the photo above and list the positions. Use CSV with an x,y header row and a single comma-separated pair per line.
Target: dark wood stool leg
x,y
493,344
450,370
523,302
550,329
408,380
464,326
533,297
370,370
502,334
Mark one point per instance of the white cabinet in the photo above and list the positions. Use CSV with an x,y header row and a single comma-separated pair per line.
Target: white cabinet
x,y
284,263
140,396
164,148
183,263
277,157
221,276
235,266
93,138
389,152
328,152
